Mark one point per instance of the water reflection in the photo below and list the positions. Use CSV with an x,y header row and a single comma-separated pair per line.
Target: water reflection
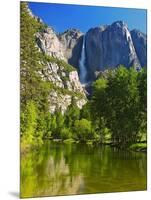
x,y
61,169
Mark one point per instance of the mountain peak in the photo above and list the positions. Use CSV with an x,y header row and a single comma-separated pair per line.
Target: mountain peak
x,y
138,33
49,30
72,32
119,24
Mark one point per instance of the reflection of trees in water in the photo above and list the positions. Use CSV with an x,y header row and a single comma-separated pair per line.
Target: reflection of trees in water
x,y
106,160
43,174
60,180
106,169
70,169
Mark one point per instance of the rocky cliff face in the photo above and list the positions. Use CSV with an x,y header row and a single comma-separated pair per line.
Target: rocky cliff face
x,y
140,44
110,46
105,47
66,87
49,43
102,48
71,41
55,52
65,46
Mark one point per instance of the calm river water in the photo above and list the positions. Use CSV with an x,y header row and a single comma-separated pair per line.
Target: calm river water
x,y
63,169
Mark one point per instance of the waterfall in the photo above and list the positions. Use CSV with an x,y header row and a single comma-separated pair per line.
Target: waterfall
x,y
82,67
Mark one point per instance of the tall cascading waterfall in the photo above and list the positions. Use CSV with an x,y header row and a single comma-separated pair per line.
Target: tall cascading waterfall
x,y
82,67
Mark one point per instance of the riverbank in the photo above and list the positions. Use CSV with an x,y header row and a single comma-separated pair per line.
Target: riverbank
x,y
137,147
28,148
141,147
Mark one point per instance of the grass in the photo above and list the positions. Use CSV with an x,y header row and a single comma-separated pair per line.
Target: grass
x,y
139,147
68,141
89,142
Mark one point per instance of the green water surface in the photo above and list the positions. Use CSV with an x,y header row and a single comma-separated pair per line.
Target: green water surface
x,y
65,169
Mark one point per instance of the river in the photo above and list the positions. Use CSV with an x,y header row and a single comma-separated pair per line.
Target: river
x,y
63,169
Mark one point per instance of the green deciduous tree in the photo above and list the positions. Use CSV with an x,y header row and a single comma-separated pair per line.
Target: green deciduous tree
x,y
29,123
65,133
117,99
83,130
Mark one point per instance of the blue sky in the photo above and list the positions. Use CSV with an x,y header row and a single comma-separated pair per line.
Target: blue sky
x,y
62,16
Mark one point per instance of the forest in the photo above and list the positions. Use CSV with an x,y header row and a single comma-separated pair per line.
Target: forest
x,y
115,114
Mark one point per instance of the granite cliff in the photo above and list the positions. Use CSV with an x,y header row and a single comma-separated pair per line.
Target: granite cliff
x,y
56,51
87,55
105,47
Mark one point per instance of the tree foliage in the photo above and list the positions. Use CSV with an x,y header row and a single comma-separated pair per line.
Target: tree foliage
x,y
83,130
33,90
119,99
